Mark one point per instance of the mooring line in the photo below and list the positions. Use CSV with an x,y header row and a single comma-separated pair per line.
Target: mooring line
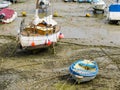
x,y
110,57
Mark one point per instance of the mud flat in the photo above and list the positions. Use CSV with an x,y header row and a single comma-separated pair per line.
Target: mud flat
x,y
85,38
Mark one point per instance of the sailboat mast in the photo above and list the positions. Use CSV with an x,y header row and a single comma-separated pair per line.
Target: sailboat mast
x,y
37,8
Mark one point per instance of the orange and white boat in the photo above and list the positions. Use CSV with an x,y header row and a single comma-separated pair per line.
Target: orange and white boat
x,y
42,32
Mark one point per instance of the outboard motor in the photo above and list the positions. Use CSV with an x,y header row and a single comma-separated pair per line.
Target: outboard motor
x,y
2,16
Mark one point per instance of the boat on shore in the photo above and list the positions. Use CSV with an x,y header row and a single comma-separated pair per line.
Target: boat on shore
x,y
7,15
98,5
113,15
40,33
83,70
4,4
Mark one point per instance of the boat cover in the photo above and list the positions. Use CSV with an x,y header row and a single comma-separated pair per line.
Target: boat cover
x,y
114,8
7,12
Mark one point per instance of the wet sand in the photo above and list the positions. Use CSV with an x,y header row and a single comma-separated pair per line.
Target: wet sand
x,y
85,38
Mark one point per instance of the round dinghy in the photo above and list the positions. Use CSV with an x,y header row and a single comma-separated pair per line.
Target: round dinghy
x,y
7,15
84,70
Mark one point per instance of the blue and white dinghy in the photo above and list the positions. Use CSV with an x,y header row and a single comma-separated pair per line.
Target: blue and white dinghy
x,y
83,70
113,14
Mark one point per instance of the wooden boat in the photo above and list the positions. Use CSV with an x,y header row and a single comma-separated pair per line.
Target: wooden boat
x,y
113,15
99,5
40,33
4,4
7,15
83,70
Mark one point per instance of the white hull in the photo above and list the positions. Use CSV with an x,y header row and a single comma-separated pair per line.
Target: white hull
x,y
4,4
26,41
84,79
113,16
10,19
99,5
114,12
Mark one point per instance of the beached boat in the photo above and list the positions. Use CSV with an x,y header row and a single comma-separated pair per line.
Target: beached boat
x,y
83,70
42,32
4,4
113,14
98,5
7,15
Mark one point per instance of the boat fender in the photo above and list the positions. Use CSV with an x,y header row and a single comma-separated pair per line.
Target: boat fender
x,y
48,42
61,36
33,44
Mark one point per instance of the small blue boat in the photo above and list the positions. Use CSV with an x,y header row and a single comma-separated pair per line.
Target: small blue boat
x,y
113,14
83,70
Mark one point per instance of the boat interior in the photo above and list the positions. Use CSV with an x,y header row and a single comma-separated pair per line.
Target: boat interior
x,y
39,29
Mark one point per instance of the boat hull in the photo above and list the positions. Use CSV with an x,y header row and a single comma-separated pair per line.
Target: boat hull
x,y
10,19
100,5
114,12
4,4
113,16
80,73
39,41
84,79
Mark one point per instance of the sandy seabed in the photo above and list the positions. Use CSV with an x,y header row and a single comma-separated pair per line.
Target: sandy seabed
x,y
85,38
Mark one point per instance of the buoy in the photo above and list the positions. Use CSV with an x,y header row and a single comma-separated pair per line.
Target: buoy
x,y
48,42
33,44
88,15
23,13
55,14
61,36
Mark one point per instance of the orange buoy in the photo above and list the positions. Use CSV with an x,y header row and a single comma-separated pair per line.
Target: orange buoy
x,y
33,44
49,43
